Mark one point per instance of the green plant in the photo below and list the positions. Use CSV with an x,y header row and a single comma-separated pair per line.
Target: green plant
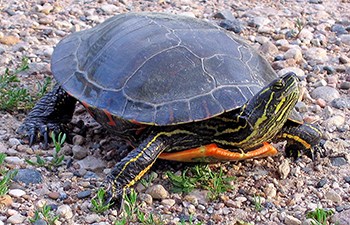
x,y
6,176
148,179
44,213
56,159
132,213
201,176
12,96
299,24
319,216
98,202
257,203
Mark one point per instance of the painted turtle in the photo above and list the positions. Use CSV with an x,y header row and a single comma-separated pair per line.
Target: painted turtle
x,y
176,88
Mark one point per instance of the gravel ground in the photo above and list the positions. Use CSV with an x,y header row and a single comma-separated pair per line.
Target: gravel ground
x,y
288,189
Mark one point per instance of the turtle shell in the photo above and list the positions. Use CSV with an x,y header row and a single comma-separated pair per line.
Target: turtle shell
x,y
160,69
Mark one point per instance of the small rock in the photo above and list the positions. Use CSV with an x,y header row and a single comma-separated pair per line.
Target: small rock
x,y
341,218
46,8
92,218
40,222
78,140
293,53
291,220
319,55
28,176
16,219
338,29
299,72
334,122
92,163
9,40
347,179
344,59
79,152
325,92
321,183
284,169
192,199
5,200
109,9
260,21
225,15
14,160
232,25
270,191
54,195
301,107
308,222
14,142
84,194
333,196
268,48
305,34
146,198
338,161
65,211
16,193
345,85
345,39
157,192
168,202
341,103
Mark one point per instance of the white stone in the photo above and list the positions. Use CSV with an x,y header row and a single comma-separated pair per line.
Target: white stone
x,y
65,211
16,219
16,193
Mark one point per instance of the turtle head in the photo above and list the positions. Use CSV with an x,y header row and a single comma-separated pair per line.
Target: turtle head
x,y
269,109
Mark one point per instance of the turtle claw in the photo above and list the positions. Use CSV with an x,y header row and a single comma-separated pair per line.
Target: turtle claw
x,y
36,129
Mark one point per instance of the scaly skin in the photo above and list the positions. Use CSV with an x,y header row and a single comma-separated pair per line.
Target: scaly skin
x,y
52,110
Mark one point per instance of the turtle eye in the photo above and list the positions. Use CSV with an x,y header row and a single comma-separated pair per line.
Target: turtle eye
x,y
278,85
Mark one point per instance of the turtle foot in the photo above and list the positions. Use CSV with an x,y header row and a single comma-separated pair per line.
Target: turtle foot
x,y
36,129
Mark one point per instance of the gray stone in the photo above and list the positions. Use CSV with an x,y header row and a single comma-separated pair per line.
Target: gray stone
x,y
341,218
14,160
260,21
65,211
293,53
14,142
109,9
326,93
291,220
321,183
338,161
92,163
84,194
79,152
28,176
92,218
333,196
270,191
334,122
345,85
78,140
168,202
341,103
338,29
157,192
318,55
16,219
345,39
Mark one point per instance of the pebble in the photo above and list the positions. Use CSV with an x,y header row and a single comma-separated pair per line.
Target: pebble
x,y
14,160
299,72
92,218
345,85
334,122
321,183
168,202
232,25
109,9
268,48
9,40
79,152
28,176
341,218
92,163
146,198
260,21
54,195
347,179
325,92
284,169
16,219
291,220
270,191
333,196
293,53
315,54
14,142
338,161
84,194
65,211
192,199
16,193
341,103
157,192
78,140
345,39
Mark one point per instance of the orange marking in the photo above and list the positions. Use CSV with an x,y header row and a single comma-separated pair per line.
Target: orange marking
x,y
213,151
110,118
87,107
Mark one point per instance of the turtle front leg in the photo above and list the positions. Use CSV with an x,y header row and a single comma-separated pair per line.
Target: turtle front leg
x,y
300,138
49,112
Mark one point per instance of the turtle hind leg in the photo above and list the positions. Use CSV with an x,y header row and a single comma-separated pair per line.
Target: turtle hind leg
x,y
53,109
301,138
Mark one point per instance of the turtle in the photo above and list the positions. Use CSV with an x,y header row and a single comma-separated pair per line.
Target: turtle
x,y
175,88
